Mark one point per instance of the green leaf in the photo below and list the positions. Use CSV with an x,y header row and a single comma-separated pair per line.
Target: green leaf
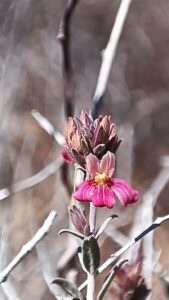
x,y
109,279
91,254
75,233
68,287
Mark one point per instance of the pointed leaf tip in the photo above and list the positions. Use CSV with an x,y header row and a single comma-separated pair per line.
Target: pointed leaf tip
x,y
68,287
75,233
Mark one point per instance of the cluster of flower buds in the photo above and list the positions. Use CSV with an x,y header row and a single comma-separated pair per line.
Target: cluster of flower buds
x,y
92,144
84,136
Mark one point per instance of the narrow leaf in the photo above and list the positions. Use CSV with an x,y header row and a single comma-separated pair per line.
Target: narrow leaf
x,y
75,233
91,254
104,225
68,287
109,279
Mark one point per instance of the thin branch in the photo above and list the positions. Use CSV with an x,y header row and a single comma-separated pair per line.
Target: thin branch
x,y
9,291
27,248
8,287
115,256
33,180
59,138
48,127
46,264
117,236
145,211
64,37
109,54
153,226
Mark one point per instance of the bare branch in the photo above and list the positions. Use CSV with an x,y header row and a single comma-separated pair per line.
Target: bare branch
x,y
115,256
48,269
48,127
145,211
59,138
27,248
8,287
33,180
64,37
109,54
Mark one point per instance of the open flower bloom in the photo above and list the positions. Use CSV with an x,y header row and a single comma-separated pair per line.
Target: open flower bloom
x,y
102,189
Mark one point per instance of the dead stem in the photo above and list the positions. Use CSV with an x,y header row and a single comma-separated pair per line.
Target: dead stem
x,y
64,38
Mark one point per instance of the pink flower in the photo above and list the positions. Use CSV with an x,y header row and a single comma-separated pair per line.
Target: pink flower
x,y
102,189
67,157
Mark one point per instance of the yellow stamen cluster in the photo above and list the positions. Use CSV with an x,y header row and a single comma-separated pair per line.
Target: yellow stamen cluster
x,y
101,178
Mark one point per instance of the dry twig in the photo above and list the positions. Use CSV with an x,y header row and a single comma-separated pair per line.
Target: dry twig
x,y
33,180
64,38
109,54
45,262
48,127
8,287
145,211
27,248
59,138
115,256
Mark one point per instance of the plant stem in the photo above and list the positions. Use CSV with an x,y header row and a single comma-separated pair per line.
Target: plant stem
x,y
91,277
90,287
92,218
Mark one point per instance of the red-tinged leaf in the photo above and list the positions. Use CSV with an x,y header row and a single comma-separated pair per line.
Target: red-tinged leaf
x,y
78,219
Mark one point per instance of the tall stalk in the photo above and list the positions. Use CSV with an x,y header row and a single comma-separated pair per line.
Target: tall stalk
x,y
91,277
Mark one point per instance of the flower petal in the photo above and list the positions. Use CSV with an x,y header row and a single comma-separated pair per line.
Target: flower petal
x,y
85,191
109,198
67,157
103,196
107,164
92,165
124,192
97,197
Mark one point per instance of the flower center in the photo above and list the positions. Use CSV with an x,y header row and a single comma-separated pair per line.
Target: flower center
x,y
101,178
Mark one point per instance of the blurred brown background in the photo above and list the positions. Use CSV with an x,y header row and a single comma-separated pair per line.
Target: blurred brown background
x,y
137,99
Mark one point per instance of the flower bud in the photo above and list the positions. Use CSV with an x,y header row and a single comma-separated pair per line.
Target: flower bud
x,y
84,136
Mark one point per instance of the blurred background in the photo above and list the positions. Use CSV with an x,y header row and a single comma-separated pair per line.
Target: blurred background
x,y
137,100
